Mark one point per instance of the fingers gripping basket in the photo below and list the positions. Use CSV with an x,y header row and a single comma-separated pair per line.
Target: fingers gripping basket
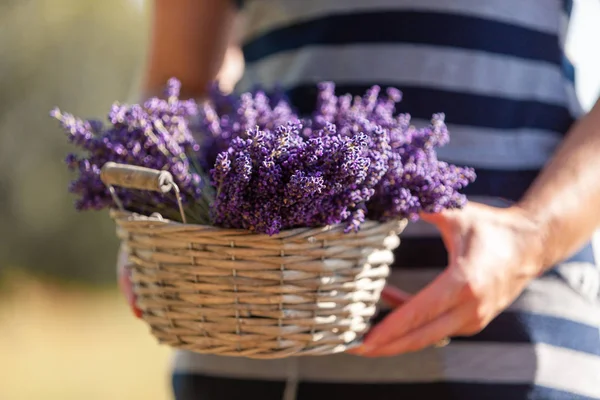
x,y
306,291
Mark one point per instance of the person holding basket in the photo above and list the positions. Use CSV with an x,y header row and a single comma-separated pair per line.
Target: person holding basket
x,y
511,278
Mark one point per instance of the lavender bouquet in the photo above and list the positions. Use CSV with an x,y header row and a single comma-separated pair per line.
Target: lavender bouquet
x,y
155,135
250,162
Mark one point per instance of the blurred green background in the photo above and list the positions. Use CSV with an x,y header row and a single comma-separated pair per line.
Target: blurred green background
x,y
65,332
80,55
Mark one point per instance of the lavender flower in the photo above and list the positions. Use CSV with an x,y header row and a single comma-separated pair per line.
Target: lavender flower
x,y
226,117
154,135
275,180
354,158
410,178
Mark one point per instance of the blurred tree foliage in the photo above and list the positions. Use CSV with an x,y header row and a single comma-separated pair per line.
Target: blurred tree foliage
x,y
80,55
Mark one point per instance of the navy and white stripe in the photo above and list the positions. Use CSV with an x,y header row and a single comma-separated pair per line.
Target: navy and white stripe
x,y
513,12
497,69
545,346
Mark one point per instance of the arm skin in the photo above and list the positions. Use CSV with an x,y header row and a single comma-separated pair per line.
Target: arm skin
x,y
493,253
564,201
189,41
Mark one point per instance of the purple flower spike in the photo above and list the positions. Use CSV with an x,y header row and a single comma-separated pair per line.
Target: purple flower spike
x,y
354,158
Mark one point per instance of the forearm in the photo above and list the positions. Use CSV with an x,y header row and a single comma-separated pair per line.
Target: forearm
x,y
189,41
565,199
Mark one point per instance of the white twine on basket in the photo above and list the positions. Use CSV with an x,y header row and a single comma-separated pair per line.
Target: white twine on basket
x,y
167,308
202,316
238,329
281,284
291,384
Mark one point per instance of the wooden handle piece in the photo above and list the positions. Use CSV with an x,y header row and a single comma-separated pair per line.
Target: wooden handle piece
x,y
134,177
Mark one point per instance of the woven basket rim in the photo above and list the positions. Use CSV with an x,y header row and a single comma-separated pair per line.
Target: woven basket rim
x,y
157,218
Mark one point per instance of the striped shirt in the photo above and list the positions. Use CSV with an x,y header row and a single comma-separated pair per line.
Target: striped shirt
x,y
498,70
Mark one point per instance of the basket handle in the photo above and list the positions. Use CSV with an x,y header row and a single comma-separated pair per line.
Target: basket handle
x,y
141,178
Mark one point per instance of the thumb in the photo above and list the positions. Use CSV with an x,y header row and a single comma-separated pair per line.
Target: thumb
x,y
447,222
444,220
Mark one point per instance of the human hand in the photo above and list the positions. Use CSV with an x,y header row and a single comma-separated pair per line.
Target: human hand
x,y
123,279
492,255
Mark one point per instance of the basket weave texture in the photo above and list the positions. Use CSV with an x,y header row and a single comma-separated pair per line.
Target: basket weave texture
x,y
306,291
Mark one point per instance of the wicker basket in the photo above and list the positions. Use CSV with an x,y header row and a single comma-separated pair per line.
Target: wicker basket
x,y
306,291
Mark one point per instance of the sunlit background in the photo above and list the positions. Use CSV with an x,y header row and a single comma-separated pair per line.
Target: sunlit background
x,y
65,332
